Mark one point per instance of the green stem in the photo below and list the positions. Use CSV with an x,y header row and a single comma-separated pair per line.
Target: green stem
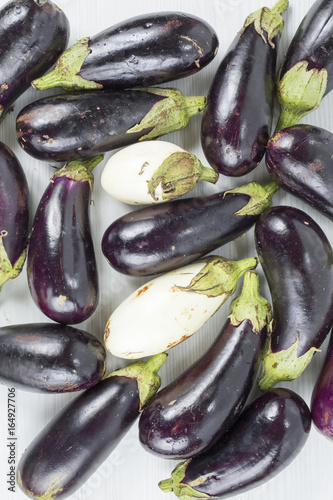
x,y
209,175
271,187
194,104
166,485
280,7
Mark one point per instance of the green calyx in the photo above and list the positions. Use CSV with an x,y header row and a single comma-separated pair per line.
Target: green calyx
x,y
145,373
66,71
169,114
178,174
181,490
7,270
269,21
260,197
79,170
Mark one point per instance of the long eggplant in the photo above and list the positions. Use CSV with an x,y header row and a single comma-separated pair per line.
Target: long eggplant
x,y
237,120
163,237
264,440
193,412
300,159
77,125
33,34
14,215
172,307
78,440
149,49
50,358
306,74
297,260
61,262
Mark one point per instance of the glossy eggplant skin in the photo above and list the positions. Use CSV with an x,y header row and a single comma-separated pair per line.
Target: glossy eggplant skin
x,y
300,159
50,358
33,34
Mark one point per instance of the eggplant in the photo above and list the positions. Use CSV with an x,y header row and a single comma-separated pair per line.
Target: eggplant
x,y
306,73
84,433
14,215
266,438
33,34
160,238
237,120
73,126
186,417
149,49
50,358
153,172
61,263
172,307
300,159
297,260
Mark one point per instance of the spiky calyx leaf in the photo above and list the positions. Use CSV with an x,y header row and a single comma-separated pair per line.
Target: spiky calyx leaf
x,y
181,490
260,197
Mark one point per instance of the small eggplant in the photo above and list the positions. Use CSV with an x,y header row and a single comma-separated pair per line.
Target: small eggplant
x,y
297,260
50,358
78,440
14,215
157,239
193,412
77,125
266,438
169,309
33,34
61,263
237,120
300,159
306,74
153,172
149,49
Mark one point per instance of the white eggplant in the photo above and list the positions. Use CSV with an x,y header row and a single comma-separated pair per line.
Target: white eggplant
x,y
170,308
153,172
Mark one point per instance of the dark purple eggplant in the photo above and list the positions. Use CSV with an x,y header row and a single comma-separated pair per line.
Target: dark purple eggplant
x,y
306,74
200,406
265,440
237,120
33,34
146,50
61,262
297,260
14,215
163,237
300,159
78,440
74,126
50,358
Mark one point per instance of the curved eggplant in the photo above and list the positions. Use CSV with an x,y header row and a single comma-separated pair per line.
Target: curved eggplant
x,y
78,440
193,412
237,120
300,159
306,74
50,358
61,262
264,440
14,215
163,237
149,49
33,34
74,126
297,260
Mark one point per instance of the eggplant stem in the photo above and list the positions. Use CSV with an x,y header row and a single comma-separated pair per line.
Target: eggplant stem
x,y
194,104
155,362
271,187
280,7
209,175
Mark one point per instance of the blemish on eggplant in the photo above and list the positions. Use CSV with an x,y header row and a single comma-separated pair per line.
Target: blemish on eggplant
x,y
144,165
142,290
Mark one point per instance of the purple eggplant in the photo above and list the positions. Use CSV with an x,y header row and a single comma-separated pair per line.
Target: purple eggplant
x,y
297,260
14,215
237,120
61,262
50,358
265,439
306,74
194,411
146,50
77,125
33,34
163,237
78,440
300,159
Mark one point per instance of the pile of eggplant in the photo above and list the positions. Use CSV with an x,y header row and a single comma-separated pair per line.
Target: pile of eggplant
x,y
222,416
